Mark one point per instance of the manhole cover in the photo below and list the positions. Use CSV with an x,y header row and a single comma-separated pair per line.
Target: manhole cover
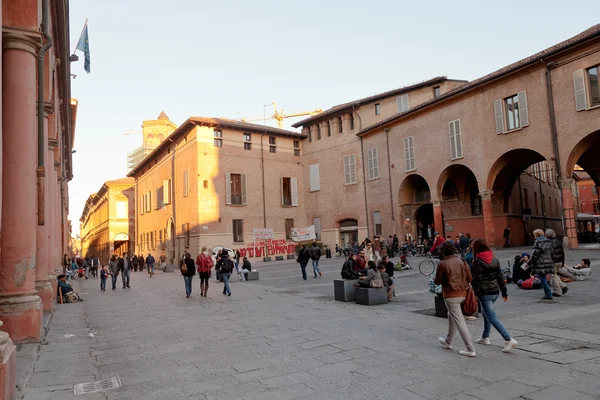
x,y
99,386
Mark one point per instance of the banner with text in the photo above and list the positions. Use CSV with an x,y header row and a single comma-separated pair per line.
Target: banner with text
x,y
262,234
302,234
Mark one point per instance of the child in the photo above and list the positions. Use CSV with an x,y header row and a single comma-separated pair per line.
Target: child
x,y
521,271
388,283
103,275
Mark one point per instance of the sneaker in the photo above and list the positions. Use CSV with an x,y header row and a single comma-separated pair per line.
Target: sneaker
x,y
546,298
565,290
470,318
467,353
320,274
556,295
483,340
508,346
445,343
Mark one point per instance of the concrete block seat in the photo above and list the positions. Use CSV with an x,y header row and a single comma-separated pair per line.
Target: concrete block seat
x,y
252,275
343,290
371,296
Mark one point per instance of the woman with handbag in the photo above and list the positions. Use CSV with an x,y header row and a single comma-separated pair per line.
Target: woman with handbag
x,y
488,282
455,277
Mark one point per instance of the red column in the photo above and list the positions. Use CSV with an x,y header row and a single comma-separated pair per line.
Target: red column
x,y
20,306
569,213
488,218
438,220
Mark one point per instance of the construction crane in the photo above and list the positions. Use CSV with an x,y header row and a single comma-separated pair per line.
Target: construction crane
x,y
279,116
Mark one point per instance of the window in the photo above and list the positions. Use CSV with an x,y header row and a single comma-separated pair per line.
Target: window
x,y
350,169
351,122
218,134
377,222
186,183
340,126
238,230
247,137
247,141
309,136
317,224
289,192
141,205
436,92
373,163
142,241
456,150
587,88
551,176
186,230
149,201
235,189
377,109
328,129
315,178
122,210
152,240
402,103
167,191
535,200
289,224
297,148
272,144
511,113
205,184
318,132
409,153
160,236
550,206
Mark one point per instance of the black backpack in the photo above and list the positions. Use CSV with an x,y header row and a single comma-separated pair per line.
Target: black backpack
x,y
226,266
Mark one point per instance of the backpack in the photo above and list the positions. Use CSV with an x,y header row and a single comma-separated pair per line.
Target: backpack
x,y
377,282
226,266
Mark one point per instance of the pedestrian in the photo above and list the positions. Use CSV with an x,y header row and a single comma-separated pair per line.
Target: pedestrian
x,y
437,243
237,261
558,287
488,283
188,270
113,266
315,255
302,259
506,236
86,267
246,269
542,260
205,264
142,262
103,276
65,264
135,262
125,267
150,264
225,266
463,243
163,261
454,276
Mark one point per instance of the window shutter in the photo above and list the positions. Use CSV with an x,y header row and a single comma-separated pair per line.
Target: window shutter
x,y
375,163
580,91
149,201
141,205
227,188
402,103
186,182
353,169
244,197
458,135
377,217
406,152
411,142
499,114
405,102
370,162
315,178
167,191
294,191
523,109
452,141
281,189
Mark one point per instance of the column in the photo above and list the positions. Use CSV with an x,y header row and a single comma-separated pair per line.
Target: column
x,y
438,220
488,217
568,213
20,306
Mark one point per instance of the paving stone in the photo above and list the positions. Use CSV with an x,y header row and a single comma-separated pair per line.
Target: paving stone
x,y
502,390
445,385
570,356
558,393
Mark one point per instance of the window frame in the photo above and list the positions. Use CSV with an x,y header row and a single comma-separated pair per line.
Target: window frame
x,y
217,138
437,92
410,163
296,148
351,169
373,163
272,144
377,109
237,232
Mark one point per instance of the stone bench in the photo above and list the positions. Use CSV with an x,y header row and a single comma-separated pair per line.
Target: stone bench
x,y
371,296
343,290
252,276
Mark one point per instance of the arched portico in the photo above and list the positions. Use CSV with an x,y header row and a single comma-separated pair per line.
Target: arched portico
x,y
413,194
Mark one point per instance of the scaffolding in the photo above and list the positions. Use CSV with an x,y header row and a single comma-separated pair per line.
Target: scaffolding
x,y
136,156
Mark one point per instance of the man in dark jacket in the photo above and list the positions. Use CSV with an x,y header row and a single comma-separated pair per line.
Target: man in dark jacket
x,y
558,287
125,268
188,276
303,258
506,236
315,255
542,260
463,243
348,271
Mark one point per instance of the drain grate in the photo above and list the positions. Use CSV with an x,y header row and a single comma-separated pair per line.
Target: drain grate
x,y
99,386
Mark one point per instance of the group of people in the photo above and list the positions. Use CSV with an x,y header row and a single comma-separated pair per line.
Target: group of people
x,y
391,245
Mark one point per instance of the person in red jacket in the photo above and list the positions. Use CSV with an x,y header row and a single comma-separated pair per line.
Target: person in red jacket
x,y
437,243
205,264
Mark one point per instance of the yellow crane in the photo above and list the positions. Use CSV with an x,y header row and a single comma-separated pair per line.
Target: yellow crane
x,y
279,116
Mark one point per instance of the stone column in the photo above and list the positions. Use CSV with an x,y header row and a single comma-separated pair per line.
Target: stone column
x,y
335,126
488,217
324,125
438,219
346,122
568,212
20,306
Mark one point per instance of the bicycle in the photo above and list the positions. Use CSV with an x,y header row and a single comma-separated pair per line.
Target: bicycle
x,y
427,266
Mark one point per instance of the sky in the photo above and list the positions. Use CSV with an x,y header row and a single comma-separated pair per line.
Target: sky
x,y
230,58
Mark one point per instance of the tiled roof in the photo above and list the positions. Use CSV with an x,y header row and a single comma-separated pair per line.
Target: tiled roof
x,y
365,100
121,181
590,33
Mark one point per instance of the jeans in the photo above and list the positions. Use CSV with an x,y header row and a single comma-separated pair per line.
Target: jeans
x,y
87,272
545,285
315,264
102,283
226,288
151,269
489,317
237,267
188,285
114,280
557,284
125,277
303,267
456,321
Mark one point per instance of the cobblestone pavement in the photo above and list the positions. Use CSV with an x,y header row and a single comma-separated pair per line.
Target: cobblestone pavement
x,y
285,338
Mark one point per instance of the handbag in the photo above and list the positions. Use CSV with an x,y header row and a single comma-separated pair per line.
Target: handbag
x,y
469,307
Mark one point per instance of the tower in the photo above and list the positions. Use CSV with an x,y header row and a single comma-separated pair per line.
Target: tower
x,y
154,132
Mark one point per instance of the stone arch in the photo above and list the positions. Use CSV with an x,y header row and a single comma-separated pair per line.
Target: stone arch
x,y
414,189
585,154
170,237
507,168
462,178
414,192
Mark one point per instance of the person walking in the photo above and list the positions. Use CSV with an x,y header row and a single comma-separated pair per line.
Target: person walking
x,y
315,255
506,236
135,262
141,261
188,273
103,276
150,264
558,287
237,261
113,266
454,276
125,267
302,259
225,266
205,264
488,283
542,260
86,267
163,261
65,264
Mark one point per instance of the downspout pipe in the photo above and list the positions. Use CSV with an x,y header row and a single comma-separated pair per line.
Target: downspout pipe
x,y
41,170
387,141
362,158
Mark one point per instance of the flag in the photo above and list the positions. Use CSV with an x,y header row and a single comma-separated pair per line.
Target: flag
x,y
84,46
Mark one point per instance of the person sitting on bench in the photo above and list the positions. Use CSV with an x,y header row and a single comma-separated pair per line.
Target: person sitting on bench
x,y
66,290
246,268
372,279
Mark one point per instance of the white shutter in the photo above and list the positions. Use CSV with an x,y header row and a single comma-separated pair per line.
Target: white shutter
x,y
166,191
580,90
452,132
405,102
458,135
294,182
346,170
244,197
406,155
281,190
523,109
315,178
402,103
375,163
370,163
411,153
377,217
499,115
227,188
353,169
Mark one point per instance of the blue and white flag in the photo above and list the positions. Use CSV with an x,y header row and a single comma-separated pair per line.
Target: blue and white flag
x,y
84,46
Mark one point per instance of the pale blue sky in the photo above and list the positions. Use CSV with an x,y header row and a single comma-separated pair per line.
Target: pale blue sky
x,y
209,58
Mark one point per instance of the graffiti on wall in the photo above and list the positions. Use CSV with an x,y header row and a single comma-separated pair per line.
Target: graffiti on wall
x,y
276,247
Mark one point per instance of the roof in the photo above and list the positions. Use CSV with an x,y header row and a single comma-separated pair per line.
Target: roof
x,y
213,122
121,181
162,115
369,99
584,36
